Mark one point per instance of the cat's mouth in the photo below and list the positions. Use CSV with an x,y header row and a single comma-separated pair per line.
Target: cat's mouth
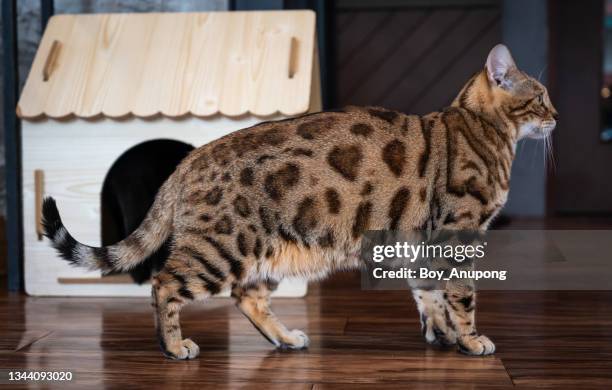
x,y
543,131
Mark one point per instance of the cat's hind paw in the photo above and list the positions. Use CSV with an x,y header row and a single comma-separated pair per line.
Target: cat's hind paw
x,y
295,339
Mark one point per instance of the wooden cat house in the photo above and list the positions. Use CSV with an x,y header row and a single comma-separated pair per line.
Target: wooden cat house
x,y
102,85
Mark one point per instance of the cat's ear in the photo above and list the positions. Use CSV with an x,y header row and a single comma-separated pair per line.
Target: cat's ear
x,y
499,65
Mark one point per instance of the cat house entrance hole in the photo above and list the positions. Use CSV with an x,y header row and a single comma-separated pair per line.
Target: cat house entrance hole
x,y
129,189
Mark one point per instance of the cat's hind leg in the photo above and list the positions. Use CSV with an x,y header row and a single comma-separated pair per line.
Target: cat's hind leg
x,y
170,294
253,300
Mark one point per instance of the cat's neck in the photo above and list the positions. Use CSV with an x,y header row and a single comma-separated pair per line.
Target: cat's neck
x,y
477,97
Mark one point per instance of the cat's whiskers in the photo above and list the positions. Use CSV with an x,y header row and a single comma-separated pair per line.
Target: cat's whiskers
x,y
534,153
549,152
521,147
541,73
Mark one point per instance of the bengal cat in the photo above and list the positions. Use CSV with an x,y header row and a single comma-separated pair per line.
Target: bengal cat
x,y
293,198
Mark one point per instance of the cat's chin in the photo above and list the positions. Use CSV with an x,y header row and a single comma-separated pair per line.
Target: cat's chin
x,y
540,133
537,135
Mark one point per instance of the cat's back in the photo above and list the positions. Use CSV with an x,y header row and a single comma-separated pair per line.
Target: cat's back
x,y
334,162
308,136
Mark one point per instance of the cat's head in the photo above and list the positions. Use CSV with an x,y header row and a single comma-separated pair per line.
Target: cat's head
x,y
501,91
523,99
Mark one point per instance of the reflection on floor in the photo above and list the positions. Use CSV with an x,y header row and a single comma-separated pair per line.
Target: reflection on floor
x,y
359,339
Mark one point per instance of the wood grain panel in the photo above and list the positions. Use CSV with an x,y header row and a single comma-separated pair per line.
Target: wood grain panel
x,y
438,92
376,51
117,65
417,59
360,26
422,76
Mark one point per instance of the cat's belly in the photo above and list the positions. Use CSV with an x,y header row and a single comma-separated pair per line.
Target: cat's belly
x,y
309,263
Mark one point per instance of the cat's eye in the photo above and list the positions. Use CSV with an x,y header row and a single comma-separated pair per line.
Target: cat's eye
x,y
541,99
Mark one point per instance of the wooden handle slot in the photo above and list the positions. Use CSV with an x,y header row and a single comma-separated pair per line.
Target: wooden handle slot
x,y
51,60
39,192
293,57
110,279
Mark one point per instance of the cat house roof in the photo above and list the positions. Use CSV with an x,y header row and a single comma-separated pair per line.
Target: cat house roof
x,y
173,65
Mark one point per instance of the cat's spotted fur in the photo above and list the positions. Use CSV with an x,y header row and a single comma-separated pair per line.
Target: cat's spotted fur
x,y
294,197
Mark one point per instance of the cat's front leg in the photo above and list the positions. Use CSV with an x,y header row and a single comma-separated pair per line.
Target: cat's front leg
x,y
460,299
435,323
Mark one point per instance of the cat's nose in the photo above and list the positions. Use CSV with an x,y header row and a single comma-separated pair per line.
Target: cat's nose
x,y
556,116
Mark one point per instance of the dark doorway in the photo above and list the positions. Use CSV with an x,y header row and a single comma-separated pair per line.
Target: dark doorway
x,y
129,190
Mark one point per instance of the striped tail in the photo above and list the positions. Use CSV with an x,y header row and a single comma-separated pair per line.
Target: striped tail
x,y
124,255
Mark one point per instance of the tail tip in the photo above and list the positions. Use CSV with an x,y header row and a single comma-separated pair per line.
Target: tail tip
x,y
54,230
51,220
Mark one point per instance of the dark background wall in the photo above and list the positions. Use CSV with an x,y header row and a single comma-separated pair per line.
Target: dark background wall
x,y
525,32
414,56
412,59
582,183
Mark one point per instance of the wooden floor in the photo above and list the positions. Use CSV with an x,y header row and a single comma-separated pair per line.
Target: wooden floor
x,y
359,340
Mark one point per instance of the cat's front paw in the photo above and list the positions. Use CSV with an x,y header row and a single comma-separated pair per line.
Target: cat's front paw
x,y
295,339
187,350
476,345
445,337
436,330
